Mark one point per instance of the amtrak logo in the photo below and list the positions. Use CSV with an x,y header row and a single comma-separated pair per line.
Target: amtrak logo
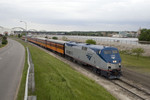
x,y
113,57
89,56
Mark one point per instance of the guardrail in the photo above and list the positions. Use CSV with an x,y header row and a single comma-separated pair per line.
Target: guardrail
x,y
30,82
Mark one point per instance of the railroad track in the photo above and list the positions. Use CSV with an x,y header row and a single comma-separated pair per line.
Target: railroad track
x,y
133,91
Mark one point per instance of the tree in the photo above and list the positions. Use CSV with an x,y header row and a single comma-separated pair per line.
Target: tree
x,y
145,35
55,38
138,51
90,41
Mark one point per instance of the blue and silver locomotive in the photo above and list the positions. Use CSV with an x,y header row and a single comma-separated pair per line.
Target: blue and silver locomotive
x,y
105,60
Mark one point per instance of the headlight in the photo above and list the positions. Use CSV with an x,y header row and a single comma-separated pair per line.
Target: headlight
x,y
114,61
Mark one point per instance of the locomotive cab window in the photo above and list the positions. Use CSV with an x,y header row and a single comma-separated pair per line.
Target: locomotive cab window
x,y
107,51
114,51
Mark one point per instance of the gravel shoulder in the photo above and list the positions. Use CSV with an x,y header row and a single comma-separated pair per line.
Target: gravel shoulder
x,y
137,78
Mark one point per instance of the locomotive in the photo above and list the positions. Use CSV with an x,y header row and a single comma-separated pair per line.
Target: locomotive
x,y
104,60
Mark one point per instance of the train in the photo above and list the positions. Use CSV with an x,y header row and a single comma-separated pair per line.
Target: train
x,y
104,60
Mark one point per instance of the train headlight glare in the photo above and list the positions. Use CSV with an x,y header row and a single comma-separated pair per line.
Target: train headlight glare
x,y
114,61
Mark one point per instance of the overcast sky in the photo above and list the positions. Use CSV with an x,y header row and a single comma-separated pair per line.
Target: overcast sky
x,y
76,15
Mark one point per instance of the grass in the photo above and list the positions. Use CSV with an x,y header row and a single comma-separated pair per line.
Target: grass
x,y
141,64
20,95
2,45
56,80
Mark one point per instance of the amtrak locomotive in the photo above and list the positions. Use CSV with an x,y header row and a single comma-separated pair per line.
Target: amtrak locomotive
x,y
104,60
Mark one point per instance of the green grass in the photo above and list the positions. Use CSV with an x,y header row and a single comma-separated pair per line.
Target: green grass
x,y
20,95
56,80
142,64
2,45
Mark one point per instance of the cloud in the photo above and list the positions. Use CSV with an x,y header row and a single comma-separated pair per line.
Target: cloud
x,y
76,14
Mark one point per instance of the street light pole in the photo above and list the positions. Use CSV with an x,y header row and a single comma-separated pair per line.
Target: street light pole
x,y
25,29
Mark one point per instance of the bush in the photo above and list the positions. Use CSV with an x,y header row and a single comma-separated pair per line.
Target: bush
x,y
4,40
55,38
90,41
65,39
127,52
19,35
138,51
46,37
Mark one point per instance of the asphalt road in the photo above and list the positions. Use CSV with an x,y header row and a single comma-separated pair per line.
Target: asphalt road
x,y
11,67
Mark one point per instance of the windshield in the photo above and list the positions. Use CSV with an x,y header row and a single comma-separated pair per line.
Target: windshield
x,y
114,51
107,52
110,51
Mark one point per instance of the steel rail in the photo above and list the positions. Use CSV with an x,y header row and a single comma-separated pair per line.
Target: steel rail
x,y
113,81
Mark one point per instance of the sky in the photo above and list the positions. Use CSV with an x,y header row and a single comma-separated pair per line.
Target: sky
x,y
76,15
